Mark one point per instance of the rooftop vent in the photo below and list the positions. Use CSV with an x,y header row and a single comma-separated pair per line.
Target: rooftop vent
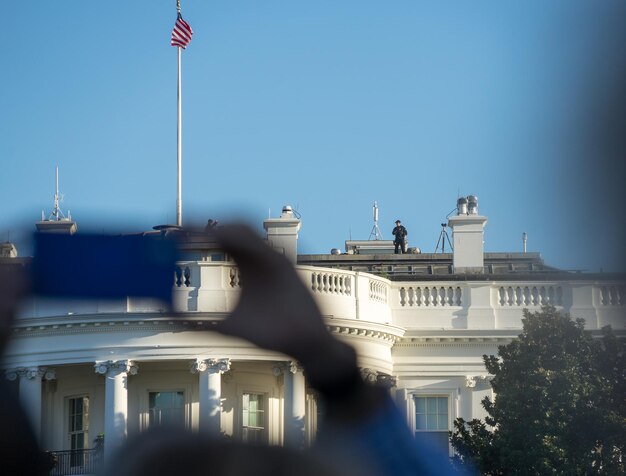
x,y
472,205
461,206
467,205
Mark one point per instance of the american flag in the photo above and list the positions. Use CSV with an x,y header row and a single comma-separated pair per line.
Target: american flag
x,y
181,34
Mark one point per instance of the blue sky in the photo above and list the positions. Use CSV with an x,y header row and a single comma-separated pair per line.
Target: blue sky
x,y
327,106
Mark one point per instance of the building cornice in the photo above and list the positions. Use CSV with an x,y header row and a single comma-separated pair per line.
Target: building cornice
x,y
387,333
451,337
114,322
158,322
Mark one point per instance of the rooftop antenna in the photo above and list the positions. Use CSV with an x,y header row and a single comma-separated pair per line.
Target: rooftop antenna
x,y
524,240
57,214
375,233
57,222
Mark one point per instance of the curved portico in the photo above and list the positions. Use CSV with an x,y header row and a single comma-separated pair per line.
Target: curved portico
x,y
120,362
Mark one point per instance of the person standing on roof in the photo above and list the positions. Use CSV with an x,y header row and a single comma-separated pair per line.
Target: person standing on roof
x,y
399,240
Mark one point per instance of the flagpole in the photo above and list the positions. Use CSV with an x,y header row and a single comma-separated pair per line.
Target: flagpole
x,y
179,199
179,134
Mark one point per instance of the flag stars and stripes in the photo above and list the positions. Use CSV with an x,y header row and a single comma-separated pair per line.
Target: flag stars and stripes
x,y
181,34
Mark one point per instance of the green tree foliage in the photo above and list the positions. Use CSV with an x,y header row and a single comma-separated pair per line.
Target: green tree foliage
x,y
560,405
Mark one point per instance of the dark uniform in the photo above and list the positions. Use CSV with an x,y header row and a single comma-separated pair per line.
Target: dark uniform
x,y
399,241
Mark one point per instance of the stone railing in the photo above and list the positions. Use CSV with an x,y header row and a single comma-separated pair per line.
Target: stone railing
x,y
525,295
348,294
430,296
326,282
612,295
182,276
234,277
378,291
211,287
473,304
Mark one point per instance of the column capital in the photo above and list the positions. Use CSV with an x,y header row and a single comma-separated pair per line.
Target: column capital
x,y
471,381
292,367
11,374
212,365
31,373
375,377
368,375
386,380
50,374
116,366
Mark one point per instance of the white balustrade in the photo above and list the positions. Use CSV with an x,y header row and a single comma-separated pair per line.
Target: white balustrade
x,y
182,276
430,296
331,283
378,291
234,278
525,295
612,295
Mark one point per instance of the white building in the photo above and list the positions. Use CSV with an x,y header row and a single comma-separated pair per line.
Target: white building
x,y
419,322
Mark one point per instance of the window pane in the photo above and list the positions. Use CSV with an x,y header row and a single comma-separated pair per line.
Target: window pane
x,y
431,422
443,422
431,413
78,423
178,400
420,422
253,417
442,406
163,400
166,408
253,420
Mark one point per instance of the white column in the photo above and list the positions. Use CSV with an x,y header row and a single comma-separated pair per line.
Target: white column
x,y
295,406
115,401
210,393
30,393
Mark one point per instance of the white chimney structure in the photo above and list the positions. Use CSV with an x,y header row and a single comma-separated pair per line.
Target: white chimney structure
x,y
468,236
282,233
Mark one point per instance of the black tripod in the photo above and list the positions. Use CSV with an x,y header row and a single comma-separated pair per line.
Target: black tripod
x,y
443,236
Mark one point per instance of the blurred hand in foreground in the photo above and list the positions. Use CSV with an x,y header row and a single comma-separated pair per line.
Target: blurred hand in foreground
x,y
276,311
